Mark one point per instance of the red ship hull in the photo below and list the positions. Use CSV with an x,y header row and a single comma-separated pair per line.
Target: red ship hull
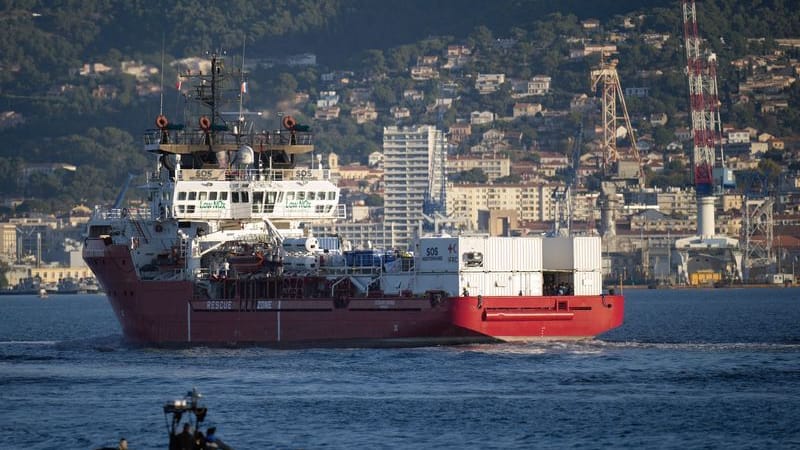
x,y
169,313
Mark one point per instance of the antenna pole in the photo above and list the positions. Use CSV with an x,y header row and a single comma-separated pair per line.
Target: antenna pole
x,y
242,83
161,106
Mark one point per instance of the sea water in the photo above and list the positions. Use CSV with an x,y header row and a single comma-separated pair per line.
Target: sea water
x,y
689,368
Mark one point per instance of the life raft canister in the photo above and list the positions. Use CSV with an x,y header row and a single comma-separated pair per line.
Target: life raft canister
x,y
161,121
288,122
205,123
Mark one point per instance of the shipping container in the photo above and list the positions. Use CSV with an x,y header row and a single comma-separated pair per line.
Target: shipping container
x,y
501,283
588,253
572,253
437,255
472,253
527,254
499,254
588,283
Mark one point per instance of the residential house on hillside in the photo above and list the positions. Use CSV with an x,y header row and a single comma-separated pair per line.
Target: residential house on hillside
x,y
538,85
414,95
140,71
400,112
459,132
457,56
526,109
364,113
486,83
551,162
738,136
94,69
592,49
357,96
580,102
427,60
421,73
327,113
590,24
481,117
327,99
337,78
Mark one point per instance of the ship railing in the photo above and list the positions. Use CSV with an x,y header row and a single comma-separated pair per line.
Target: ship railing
x,y
249,173
222,134
351,270
104,213
341,211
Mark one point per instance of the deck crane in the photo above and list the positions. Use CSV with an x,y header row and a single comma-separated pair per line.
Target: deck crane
x,y
723,252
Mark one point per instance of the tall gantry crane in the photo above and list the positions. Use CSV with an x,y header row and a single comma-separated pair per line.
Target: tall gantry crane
x,y
707,252
619,170
616,166
701,68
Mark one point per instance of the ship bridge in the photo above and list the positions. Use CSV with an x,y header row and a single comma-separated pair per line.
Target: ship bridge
x,y
218,194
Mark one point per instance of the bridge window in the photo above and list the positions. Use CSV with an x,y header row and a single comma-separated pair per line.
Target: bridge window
x,y
301,195
289,196
331,195
192,196
312,195
245,196
321,195
189,209
181,195
212,195
202,195
223,195
269,204
235,197
258,200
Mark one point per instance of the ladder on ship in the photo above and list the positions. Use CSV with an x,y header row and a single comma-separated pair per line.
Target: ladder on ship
x,y
139,230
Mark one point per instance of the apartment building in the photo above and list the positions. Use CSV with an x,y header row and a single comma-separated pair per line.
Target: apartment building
x,y
414,173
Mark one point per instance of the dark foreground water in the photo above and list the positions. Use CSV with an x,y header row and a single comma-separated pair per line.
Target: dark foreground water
x,y
689,369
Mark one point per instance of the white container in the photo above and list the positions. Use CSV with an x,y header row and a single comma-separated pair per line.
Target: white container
x,y
473,283
527,283
587,283
499,254
472,253
587,253
501,283
437,255
527,254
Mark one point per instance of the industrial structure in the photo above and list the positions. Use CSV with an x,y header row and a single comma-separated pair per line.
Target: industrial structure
x,y
706,257
618,170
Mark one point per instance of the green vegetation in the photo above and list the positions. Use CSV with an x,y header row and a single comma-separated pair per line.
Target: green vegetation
x,y
67,119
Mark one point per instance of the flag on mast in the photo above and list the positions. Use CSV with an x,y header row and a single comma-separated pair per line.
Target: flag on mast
x,y
244,87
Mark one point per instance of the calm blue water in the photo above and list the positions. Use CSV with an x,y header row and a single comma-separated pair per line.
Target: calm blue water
x,y
689,369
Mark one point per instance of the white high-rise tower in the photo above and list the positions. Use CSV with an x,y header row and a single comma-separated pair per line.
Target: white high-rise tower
x,y
414,173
